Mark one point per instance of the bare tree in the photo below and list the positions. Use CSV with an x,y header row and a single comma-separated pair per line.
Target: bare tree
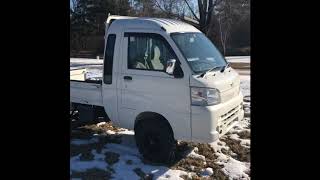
x,y
171,8
206,9
224,21
229,15
223,35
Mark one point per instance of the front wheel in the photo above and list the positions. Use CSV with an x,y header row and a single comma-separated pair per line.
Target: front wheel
x,y
155,141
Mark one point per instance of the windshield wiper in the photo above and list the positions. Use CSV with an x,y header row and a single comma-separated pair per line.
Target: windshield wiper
x,y
225,67
202,74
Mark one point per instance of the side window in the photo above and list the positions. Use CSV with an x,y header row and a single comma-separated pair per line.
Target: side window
x,y
108,59
148,52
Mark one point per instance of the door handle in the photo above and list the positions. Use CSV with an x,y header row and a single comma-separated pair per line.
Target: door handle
x,y
127,78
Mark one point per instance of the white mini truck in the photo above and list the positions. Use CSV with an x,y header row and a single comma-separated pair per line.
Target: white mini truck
x,y
165,80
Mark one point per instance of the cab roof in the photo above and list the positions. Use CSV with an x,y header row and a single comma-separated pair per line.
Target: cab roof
x,y
169,25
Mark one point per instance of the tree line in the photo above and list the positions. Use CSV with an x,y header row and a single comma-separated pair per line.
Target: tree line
x,y
225,22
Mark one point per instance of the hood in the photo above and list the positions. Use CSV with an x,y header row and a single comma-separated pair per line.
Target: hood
x,y
227,82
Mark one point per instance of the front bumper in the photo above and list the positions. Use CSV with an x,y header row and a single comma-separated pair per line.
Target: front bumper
x,y
211,122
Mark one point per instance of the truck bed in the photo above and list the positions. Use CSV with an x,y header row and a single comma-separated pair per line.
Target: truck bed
x,y
84,91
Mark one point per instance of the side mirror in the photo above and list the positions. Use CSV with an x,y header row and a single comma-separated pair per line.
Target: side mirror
x,y
171,64
173,68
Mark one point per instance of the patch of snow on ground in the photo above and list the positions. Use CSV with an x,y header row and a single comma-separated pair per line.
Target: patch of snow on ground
x,y
123,149
126,132
126,171
218,145
236,169
207,172
110,132
77,165
83,141
194,155
233,168
245,85
101,124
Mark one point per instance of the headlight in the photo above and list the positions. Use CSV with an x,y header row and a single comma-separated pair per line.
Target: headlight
x,y
204,96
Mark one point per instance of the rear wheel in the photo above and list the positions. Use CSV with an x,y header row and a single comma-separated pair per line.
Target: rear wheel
x,y
155,141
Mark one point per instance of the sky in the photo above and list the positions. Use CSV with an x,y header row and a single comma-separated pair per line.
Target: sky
x,y
71,4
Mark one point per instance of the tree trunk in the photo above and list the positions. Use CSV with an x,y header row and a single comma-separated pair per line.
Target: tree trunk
x,y
221,37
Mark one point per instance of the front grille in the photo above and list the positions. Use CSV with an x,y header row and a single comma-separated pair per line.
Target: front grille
x,y
227,119
230,113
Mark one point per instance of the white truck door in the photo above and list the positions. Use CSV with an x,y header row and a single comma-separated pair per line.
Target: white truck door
x,y
146,87
109,82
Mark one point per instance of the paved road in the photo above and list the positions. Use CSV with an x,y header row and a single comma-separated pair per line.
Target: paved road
x,y
243,71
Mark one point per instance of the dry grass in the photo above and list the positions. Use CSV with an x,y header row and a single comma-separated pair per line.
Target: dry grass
x,y
86,156
86,133
111,157
143,175
243,153
98,146
244,134
101,129
196,166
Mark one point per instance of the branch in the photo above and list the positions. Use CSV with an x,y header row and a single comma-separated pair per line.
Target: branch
x,y
175,15
158,5
167,13
192,10
216,2
190,22
74,4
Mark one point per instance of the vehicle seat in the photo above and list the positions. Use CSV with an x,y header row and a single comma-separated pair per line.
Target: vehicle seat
x,y
155,61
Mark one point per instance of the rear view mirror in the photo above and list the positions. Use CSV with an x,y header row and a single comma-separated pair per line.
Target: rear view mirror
x,y
171,63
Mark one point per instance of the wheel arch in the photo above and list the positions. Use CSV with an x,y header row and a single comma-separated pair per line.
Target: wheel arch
x,y
152,115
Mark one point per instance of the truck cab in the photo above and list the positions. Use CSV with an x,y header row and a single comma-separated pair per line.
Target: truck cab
x,y
164,79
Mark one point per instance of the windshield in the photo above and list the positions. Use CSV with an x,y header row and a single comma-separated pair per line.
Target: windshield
x,y
200,53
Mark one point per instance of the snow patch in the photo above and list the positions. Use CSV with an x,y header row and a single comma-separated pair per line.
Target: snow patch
x,y
126,132
245,85
207,172
101,124
123,170
236,169
110,132
218,145
77,165
79,142
194,155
